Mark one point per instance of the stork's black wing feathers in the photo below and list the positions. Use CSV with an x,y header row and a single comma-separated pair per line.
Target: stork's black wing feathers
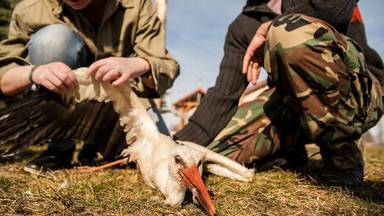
x,y
17,118
45,115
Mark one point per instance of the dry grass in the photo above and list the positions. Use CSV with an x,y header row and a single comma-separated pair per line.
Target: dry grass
x,y
122,192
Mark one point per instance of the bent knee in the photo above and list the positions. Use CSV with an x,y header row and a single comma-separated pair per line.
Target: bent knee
x,y
53,36
297,30
57,42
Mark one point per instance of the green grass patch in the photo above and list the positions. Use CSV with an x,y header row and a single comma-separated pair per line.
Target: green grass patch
x,y
122,192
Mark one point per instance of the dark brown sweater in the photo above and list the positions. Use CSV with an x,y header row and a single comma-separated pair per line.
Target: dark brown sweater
x,y
221,101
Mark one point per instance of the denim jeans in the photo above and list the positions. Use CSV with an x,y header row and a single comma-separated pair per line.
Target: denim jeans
x,y
59,43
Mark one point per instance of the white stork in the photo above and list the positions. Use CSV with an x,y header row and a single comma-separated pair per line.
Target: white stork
x,y
170,167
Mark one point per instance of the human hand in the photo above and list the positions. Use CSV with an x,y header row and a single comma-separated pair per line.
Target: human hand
x,y
254,56
56,76
117,70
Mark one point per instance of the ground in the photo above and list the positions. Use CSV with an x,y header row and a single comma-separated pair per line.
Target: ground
x,y
121,191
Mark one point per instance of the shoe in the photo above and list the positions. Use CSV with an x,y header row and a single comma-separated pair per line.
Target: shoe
x,y
286,163
343,177
296,158
51,159
348,155
88,155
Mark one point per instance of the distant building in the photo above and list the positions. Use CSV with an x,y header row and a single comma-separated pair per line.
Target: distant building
x,y
187,105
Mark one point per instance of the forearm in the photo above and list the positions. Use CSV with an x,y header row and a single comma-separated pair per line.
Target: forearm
x,y
15,80
147,76
164,67
164,71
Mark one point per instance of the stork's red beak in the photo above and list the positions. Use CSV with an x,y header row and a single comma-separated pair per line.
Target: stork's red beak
x,y
192,180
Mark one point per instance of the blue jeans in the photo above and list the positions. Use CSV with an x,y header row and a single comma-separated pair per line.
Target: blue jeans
x,y
59,43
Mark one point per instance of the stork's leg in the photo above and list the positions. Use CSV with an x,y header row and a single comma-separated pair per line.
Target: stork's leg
x,y
104,166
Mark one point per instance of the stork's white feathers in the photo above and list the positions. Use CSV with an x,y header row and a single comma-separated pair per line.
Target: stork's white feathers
x,y
153,151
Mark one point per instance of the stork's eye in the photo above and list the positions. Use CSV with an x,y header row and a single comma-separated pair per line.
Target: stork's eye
x,y
178,159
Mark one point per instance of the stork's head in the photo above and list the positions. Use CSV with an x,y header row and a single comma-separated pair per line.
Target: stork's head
x,y
185,169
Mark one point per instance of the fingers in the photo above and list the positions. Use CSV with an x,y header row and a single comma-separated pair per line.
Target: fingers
x,y
111,75
247,61
122,79
105,73
101,72
95,67
57,82
50,86
255,73
249,70
253,57
104,70
55,76
251,63
64,78
117,70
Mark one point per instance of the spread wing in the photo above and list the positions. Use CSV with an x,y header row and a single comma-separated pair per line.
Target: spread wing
x,y
95,111
112,117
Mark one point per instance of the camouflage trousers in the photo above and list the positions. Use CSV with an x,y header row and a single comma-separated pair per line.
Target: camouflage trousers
x,y
320,92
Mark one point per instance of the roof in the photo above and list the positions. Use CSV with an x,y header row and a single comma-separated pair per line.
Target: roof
x,y
189,97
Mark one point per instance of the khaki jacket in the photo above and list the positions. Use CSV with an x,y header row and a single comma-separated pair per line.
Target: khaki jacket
x,y
128,28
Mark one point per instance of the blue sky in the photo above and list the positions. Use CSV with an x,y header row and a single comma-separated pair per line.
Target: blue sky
x,y
196,32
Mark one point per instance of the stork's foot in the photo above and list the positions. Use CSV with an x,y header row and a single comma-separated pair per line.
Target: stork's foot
x,y
51,159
